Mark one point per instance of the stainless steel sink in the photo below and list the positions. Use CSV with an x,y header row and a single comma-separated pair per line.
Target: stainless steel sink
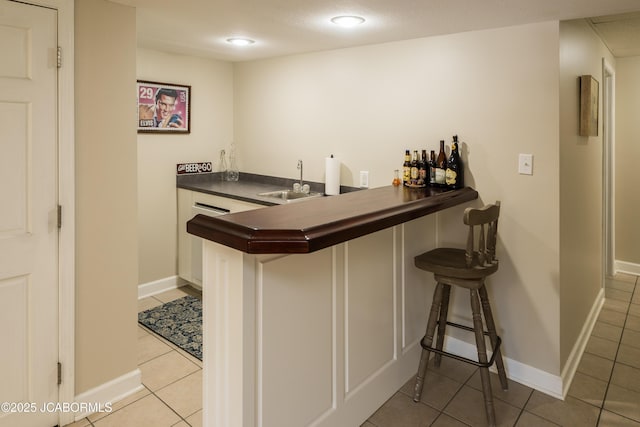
x,y
290,195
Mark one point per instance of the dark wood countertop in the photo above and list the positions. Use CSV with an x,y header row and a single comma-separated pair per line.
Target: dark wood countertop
x,y
316,224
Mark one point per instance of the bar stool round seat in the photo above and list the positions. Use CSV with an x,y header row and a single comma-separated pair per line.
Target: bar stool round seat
x,y
452,262
466,268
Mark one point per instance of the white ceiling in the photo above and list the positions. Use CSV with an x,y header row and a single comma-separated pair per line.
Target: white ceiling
x,y
621,33
284,27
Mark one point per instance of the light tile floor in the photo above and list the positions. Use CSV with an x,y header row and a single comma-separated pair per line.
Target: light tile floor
x,y
172,379
605,390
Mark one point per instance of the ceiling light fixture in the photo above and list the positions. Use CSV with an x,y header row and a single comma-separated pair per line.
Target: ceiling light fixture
x,y
240,41
347,20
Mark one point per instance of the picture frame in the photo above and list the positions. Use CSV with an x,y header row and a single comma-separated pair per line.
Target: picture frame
x,y
163,107
589,105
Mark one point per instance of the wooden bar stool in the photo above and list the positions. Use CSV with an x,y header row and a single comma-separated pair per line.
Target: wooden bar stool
x,y
468,269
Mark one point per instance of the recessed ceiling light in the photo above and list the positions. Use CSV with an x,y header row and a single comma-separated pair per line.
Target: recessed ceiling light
x,y
347,21
240,41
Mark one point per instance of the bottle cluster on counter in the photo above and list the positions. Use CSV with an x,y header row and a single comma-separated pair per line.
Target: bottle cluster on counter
x,y
418,170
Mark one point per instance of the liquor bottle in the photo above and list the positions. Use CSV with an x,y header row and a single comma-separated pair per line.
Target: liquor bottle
x,y
406,168
432,169
441,166
454,175
423,166
414,168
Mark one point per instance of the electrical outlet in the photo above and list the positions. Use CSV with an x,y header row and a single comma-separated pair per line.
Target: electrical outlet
x,y
364,179
525,164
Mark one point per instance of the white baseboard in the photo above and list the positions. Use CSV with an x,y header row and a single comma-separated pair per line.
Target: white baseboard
x,y
627,267
159,286
545,382
571,365
110,392
516,371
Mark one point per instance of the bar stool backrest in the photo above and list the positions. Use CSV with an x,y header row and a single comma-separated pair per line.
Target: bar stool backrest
x,y
486,219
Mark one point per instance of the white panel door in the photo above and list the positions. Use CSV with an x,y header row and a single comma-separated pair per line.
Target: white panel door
x,y
28,215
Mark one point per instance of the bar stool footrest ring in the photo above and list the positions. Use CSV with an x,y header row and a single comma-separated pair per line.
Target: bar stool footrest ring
x,y
461,358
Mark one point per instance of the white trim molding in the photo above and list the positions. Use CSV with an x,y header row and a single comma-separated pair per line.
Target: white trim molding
x,y
530,376
608,165
627,267
573,361
106,394
159,286
66,199
545,382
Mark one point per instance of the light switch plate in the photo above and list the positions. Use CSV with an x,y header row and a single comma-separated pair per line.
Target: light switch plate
x,y
364,179
525,164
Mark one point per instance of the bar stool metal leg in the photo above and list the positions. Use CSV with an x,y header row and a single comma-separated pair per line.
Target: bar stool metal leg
x,y
442,323
482,357
493,335
428,340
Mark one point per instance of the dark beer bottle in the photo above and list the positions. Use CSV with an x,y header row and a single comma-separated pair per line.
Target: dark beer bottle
x,y
454,174
414,168
432,169
423,166
406,167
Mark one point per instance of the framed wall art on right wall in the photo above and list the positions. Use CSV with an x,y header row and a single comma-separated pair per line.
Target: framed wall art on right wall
x,y
589,102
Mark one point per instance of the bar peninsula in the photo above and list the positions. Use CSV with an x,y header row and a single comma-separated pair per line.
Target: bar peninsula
x,y
313,310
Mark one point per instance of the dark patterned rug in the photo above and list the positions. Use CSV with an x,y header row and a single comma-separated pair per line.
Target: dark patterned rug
x,y
179,321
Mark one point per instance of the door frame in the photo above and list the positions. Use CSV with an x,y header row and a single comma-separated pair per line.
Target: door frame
x,y
66,199
608,166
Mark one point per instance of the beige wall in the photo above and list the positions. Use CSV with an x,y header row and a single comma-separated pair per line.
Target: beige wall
x,y
211,130
497,89
581,52
627,239
504,91
106,193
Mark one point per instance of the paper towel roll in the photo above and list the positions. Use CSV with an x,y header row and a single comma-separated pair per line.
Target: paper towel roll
x,y
332,176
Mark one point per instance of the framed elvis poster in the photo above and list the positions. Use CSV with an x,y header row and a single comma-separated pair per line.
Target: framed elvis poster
x,y
163,108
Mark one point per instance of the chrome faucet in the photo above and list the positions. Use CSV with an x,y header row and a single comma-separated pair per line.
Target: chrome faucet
x,y
300,167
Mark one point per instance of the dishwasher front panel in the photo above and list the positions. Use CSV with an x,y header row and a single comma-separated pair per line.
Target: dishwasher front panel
x,y
196,242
